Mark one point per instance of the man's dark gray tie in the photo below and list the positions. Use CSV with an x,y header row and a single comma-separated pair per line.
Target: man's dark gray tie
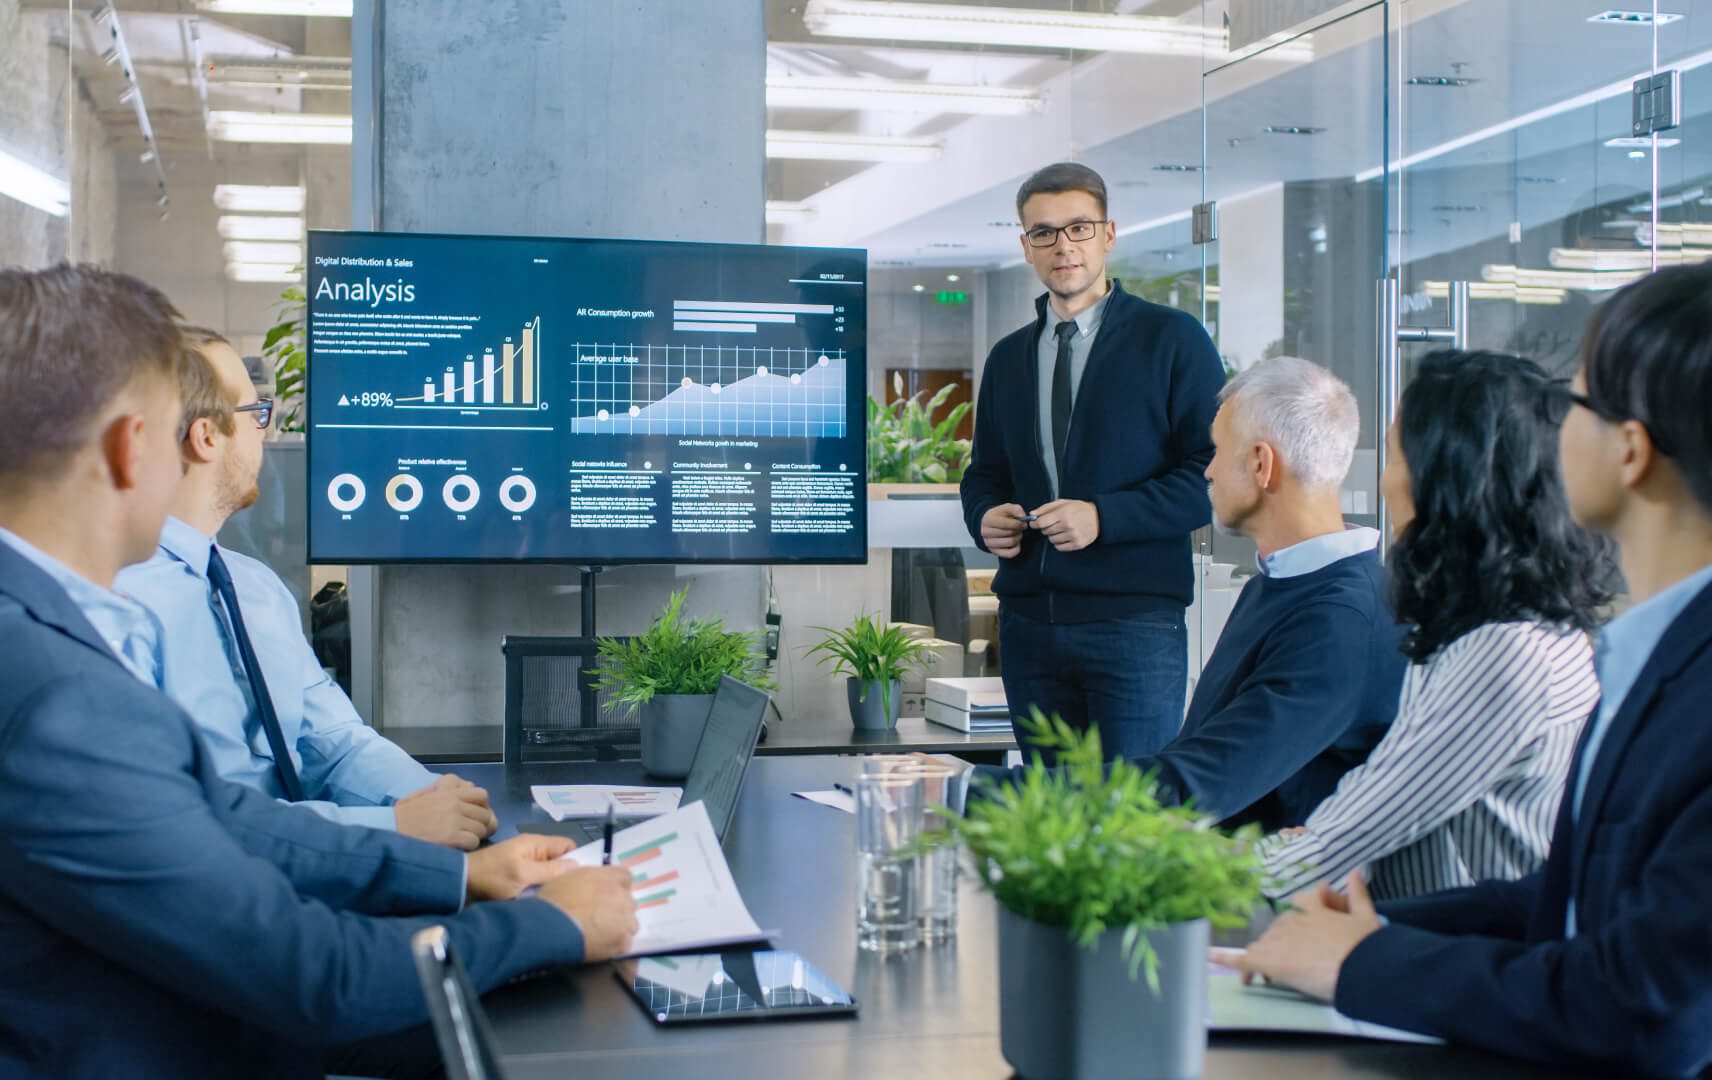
x,y
1061,397
221,579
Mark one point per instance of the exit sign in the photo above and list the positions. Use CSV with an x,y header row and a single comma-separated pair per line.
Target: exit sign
x,y
948,296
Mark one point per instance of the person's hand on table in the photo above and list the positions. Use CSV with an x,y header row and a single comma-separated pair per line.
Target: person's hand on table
x,y
505,869
1305,947
599,900
450,811
1002,528
1070,524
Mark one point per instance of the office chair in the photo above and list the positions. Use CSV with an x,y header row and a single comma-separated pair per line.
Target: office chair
x,y
460,1026
552,710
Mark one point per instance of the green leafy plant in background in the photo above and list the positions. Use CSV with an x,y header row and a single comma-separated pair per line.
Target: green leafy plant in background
x,y
1087,846
284,351
676,655
871,651
906,445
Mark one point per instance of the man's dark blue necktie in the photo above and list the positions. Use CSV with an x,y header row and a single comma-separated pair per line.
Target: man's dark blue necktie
x,y
1061,397
221,579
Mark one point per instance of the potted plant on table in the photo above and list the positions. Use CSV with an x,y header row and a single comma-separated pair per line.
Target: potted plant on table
x,y
670,673
1106,899
874,657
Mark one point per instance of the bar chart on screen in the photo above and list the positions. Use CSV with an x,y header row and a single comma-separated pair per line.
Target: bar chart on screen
x,y
505,377
685,896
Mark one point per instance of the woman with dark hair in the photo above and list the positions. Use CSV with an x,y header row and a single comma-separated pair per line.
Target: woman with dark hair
x,y
1496,588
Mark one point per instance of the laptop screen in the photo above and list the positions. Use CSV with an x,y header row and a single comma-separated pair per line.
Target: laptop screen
x,y
728,741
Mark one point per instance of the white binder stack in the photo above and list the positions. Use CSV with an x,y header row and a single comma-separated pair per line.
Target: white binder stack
x,y
973,705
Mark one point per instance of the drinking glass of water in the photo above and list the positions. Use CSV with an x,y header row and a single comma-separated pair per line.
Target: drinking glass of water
x,y
941,787
888,822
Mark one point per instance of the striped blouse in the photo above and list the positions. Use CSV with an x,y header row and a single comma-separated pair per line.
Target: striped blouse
x,y
1466,783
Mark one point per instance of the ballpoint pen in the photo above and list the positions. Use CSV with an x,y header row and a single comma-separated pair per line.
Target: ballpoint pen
x,y
606,835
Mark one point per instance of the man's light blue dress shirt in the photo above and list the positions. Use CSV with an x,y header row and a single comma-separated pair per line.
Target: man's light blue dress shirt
x,y
125,625
350,773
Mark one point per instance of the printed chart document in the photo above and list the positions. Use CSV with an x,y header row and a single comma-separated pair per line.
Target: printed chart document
x,y
682,884
1232,1006
563,801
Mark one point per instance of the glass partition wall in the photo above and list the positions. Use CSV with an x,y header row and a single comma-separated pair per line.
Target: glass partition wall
x,y
1371,170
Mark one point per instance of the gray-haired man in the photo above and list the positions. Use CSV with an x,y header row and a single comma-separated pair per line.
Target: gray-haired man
x,y
1304,680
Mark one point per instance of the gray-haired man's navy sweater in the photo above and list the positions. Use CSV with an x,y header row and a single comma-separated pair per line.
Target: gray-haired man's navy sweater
x,y
1300,688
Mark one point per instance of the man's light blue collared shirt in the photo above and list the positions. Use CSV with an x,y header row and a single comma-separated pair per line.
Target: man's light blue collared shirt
x,y
1619,655
350,773
125,625
1081,344
1318,552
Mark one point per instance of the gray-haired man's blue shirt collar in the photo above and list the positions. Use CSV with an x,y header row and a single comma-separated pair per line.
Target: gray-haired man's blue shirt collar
x,y
1318,552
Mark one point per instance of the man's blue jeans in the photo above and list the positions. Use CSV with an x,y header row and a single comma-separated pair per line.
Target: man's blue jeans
x,y
1127,676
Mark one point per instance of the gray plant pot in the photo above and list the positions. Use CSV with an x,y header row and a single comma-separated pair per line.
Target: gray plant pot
x,y
1068,1013
671,730
869,713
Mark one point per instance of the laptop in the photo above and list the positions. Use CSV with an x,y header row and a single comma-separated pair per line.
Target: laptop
x,y
717,770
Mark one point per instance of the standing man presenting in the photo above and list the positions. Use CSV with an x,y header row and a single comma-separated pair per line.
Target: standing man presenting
x,y
1092,430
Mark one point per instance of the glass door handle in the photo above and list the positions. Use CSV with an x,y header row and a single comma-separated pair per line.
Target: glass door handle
x,y
1393,335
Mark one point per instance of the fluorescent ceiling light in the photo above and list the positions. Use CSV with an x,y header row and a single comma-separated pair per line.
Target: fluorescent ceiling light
x,y
32,186
256,251
260,228
1495,290
969,24
818,92
266,272
1622,88
331,8
229,126
1641,142
1688,234
259,198
783,213
819,146
1626,259
1633,18
1584,280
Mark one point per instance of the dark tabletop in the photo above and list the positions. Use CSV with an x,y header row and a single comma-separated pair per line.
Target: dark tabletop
x,y
805,734
932,1013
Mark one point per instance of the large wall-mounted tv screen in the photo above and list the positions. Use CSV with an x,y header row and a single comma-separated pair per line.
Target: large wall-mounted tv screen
x,y
504,399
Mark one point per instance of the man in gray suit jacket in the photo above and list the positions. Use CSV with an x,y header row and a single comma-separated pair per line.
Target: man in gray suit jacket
x,y
156,920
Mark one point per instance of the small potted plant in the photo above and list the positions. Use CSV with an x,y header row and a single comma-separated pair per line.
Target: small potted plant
x,y
670,673
874,657
1099,885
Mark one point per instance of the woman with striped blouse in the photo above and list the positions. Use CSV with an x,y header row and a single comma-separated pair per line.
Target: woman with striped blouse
x,y
1496,589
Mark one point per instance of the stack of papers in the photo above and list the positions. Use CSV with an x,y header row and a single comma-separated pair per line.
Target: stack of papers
x,y
1263,1007
974,705
685,896
563,801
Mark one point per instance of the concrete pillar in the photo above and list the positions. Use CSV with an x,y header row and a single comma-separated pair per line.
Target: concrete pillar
x,y
610,118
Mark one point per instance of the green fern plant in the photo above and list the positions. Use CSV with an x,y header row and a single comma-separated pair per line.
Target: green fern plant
x,y
907,446
676,655
1087,846
870,651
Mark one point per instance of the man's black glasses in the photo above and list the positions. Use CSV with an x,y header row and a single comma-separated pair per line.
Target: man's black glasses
x,y
1043,236
263,410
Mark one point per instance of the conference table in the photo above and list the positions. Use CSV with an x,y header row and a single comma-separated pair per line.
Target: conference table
x,y
933,1012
